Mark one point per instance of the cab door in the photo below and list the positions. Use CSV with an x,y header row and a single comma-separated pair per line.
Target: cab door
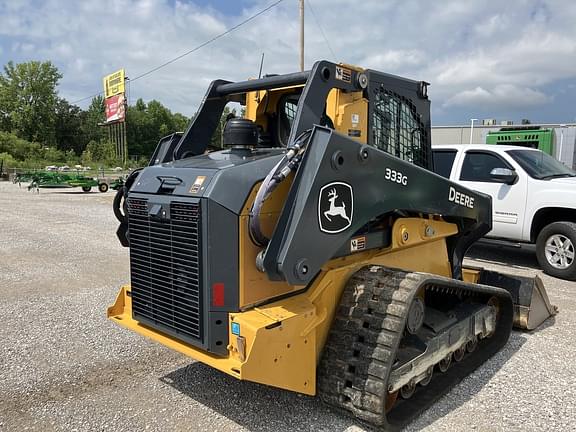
x,y
508,201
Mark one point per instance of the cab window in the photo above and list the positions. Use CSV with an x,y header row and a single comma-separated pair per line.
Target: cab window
x,y
478,165
287,107
397,129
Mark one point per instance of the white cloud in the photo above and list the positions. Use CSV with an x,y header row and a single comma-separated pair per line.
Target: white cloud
x,y
392,60
492,25
488,53
501,97
23,47
538,58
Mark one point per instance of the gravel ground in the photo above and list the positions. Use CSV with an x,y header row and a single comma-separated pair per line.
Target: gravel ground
x,y
64,367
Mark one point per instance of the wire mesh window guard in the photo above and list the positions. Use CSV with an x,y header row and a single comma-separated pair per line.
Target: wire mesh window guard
x,y
397,128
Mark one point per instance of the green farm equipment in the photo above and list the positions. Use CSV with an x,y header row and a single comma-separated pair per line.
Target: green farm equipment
x,y
525,136
117,183
23,177
45,180
87,183
49,180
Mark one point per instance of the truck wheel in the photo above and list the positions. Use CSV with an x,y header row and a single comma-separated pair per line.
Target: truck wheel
x,y
86,188
103,187
556,250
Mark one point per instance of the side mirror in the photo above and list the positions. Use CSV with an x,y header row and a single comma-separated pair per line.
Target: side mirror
x,y
504,175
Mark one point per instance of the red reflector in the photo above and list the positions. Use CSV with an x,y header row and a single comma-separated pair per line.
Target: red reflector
x,y
218,294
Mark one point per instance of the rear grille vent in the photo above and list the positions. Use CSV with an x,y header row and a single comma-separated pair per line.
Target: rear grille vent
x,y
165,268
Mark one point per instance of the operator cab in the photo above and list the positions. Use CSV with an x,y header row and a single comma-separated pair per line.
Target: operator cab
x,y
282,107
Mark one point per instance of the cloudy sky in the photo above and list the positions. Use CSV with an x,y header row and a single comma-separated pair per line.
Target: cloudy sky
x,y
504,59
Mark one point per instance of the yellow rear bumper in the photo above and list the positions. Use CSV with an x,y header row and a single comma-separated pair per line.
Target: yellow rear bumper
x,y
276,345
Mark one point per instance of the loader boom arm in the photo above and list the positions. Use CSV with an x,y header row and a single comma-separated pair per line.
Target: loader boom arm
x,y
299,246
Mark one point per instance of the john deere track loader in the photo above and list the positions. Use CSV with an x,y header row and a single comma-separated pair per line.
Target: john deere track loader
x,y
317,252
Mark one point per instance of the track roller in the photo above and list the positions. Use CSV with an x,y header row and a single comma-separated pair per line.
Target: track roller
x,y
408,390
444,364
428,378
459,353
472,344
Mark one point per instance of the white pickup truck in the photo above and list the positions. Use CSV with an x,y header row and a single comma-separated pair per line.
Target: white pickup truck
x,y
533,197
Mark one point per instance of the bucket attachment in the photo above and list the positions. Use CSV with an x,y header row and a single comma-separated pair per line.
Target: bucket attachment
x,y
531,304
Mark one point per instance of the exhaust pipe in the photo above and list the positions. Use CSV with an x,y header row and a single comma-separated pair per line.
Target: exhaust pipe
x,y
531,304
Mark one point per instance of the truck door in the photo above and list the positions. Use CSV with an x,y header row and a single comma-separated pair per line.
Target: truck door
x,y
508,201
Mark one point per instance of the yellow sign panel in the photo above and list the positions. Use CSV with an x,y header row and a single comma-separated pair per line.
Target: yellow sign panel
x,y
114,83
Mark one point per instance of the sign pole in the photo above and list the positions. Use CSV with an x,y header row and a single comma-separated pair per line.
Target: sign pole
x,y
116,107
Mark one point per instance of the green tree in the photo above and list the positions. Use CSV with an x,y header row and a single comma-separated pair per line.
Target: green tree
x,y
28,100
140,133
140,105
20,149
9,161
87,159
146,124
91,121
102,152
68,127
180,122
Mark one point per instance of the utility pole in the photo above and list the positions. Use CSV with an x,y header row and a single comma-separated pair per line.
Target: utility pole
x,y
301,35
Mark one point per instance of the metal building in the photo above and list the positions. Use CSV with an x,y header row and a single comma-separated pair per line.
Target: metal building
x,y
564,143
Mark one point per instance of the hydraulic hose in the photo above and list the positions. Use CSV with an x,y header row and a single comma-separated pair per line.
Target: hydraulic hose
x,y
119,203
281,170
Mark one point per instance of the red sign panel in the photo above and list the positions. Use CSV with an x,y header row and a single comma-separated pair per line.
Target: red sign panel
x,y
115,108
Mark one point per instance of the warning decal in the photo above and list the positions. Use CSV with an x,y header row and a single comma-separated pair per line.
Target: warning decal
x,y
343,74
357,244
197,184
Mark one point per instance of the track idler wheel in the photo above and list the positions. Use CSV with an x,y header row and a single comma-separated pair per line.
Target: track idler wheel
x,y
445,363
496,305
415,317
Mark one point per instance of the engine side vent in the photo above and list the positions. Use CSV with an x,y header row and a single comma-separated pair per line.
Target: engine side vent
x,y
165,269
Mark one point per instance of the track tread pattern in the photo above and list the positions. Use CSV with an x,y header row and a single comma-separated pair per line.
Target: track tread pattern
x,y
365,336
368,326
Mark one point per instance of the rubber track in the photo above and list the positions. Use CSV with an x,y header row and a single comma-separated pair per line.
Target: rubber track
x,y
366,332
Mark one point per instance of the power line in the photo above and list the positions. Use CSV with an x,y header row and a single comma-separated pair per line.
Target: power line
x,y
202,45
321,30
87,97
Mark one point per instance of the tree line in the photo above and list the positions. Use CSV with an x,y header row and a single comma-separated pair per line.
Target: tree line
x,y
39,128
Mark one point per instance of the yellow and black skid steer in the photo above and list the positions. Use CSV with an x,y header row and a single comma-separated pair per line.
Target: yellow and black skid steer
x,y
317,251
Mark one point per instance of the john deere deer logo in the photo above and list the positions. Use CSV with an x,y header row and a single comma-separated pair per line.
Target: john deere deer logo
x,y
334,210
335,207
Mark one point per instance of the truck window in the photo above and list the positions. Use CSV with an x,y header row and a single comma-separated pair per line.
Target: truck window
x,y
477,166
443,161
539,165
